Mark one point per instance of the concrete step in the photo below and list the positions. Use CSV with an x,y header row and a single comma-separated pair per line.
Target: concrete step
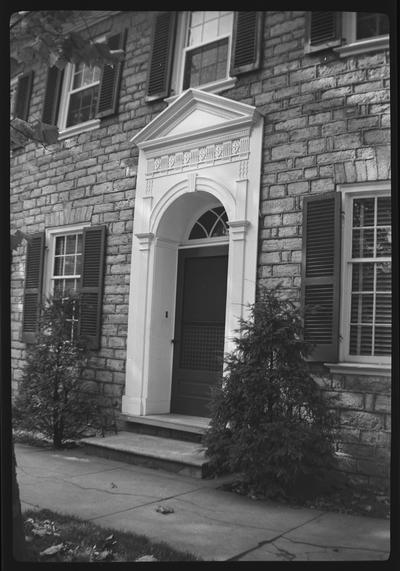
x,y
176,426
173,455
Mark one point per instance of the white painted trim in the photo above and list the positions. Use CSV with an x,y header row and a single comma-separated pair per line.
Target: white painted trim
x,y
349,191
80,128
214,87
166,205
363,46
351,45
383,370
50,235
180,55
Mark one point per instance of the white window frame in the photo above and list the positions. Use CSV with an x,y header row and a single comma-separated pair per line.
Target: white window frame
x,y
13,93
349,193
65,131
180,57
353,46
51,235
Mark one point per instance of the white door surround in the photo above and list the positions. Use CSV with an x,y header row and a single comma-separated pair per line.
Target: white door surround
x,y
202,151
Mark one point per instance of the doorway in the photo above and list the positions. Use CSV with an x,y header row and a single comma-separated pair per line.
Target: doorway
x,y
199,328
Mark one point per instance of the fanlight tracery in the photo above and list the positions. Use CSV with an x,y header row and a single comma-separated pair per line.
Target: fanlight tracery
x,y
211,224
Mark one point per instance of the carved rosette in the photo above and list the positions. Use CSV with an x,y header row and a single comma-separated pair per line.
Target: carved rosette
x,y
236,149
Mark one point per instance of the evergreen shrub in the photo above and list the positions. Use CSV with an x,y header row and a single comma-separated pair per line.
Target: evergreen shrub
x,y
270,422
53,398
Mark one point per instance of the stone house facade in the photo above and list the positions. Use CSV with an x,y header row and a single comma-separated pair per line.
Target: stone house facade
x,y
250,147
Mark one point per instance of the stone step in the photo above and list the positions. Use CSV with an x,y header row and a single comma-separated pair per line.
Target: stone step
x,y
173,455
177,426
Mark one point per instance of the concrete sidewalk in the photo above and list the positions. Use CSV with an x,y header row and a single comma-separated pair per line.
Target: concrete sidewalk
x,y
208,522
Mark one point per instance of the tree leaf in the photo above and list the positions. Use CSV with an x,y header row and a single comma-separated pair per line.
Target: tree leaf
x,y
51,550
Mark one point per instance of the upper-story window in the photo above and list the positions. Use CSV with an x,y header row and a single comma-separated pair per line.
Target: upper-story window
x,y
202,50
77,98
348,33
80,94
207,49
370,25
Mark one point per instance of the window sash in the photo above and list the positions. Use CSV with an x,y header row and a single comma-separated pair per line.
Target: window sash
x,y
351,193
182,49
349,25
66,92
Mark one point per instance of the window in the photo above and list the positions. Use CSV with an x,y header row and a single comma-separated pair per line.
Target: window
x,y
346,276
371,25
202,50
207,48
81,94
78,98
367,312
212,224
347,33
74,262
65,265
363,32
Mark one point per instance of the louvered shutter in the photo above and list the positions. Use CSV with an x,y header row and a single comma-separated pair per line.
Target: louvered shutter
x,y
246,42
52,95
321,274
33,286
91,289
323,29
23,96
159,77
110,82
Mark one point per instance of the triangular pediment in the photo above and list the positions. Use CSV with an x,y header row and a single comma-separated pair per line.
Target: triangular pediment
x,y
192,114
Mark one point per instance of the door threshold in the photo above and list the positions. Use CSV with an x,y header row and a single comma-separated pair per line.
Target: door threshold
x,y
183,422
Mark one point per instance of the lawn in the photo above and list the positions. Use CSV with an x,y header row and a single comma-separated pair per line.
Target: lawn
x,y
54,537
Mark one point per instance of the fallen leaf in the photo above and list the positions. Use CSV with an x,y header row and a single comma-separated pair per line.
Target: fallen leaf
x,y
103,555
165,510
146,558
52,550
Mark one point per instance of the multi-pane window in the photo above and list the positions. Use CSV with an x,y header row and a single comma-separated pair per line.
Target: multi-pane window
x,y
212,224
82,94
370,312
207,48
66,270
369,25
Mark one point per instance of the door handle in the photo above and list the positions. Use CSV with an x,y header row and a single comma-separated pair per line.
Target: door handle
x,y
173,341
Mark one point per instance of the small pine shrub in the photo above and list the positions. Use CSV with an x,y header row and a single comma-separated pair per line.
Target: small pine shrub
x,y
53,398
269,421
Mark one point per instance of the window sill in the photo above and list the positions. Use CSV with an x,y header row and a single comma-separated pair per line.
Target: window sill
x,y
77,129
363,46
359,369
215,87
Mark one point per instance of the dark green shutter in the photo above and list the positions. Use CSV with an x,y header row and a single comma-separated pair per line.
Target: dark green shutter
x,y
323,30
23,96
91,289
246,42
52,95
163,38
321,274
33,286
110,82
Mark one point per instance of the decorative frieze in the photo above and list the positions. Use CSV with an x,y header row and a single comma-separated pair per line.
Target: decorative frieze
x,y
206,155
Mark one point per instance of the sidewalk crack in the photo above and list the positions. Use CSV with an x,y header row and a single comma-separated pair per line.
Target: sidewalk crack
x,y
272,540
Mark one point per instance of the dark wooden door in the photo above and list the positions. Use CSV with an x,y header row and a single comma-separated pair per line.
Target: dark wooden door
x,y
199,328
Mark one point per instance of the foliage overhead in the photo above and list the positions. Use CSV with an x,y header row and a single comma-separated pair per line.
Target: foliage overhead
x,y
269,420
47,36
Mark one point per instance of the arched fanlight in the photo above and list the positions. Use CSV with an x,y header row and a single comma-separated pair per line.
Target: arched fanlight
x,y
211,224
